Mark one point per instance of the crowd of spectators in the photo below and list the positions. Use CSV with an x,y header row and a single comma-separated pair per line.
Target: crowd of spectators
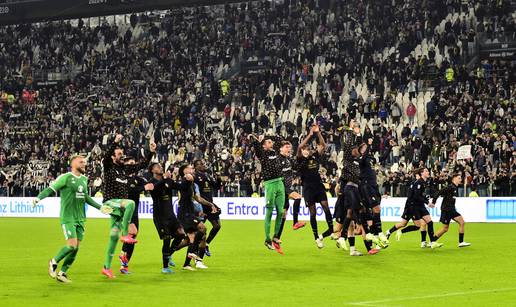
x,y
169,79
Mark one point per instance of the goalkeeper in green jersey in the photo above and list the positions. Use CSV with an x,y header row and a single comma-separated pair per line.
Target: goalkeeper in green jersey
x,y
73,188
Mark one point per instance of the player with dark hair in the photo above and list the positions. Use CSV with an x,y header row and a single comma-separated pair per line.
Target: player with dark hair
x,y
448,210
313,188
266,150
168,226
406,216
288,166
207,185
415,209
370,193
348,207
73,192
116,194
137,185
187,215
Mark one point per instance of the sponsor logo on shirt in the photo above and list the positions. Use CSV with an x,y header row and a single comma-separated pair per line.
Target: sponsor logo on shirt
x,y
80,192
121,181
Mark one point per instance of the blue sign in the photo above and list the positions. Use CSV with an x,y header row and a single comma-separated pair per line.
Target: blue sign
x,y
501,209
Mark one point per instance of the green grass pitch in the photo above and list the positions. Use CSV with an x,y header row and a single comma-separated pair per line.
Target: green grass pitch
x,y
243,273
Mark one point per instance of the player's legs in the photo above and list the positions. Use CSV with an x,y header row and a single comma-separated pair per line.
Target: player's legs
x,y
201,227
191,250
215,227
329,218
269,207
368,237
350,233
69,251
397,226
430,227
165,255
284,217
279,202
114,235
295,210
313,218
442,231
70,258
460,220
74,233
215,223
128,249
180,241
423,229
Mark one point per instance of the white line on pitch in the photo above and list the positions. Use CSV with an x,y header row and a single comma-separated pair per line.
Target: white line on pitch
x,y
375,303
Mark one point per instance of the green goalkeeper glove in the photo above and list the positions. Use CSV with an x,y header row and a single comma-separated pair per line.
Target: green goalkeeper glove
x,y
105,209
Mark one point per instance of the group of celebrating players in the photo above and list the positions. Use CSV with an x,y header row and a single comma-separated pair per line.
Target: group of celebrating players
x,y
357,210
122,188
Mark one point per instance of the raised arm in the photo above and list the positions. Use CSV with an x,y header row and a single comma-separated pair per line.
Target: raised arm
x,y
322,144
304,142
107,160
348,144
258,149
142,164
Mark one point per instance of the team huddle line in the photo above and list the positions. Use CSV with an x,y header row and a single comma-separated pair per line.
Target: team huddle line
x,y
357,210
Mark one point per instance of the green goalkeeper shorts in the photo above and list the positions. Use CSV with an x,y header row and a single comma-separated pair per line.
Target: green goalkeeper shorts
x,y
73,230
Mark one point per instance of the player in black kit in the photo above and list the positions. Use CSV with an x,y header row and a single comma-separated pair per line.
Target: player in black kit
x,y
415,207
168,226
448,210
189,218
402,227
288,166
136,186
313,188
370,193
348,208
207,184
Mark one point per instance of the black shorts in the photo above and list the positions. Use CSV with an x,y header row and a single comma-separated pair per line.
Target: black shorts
x,y
167,228
314,195
447,216
407,213
419,212
340,211
209,215
370,195
190,223
348,199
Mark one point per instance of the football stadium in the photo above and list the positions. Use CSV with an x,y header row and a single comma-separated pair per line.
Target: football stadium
x,y
257,153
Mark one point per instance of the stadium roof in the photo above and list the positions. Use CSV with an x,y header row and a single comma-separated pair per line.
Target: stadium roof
x,y
24,11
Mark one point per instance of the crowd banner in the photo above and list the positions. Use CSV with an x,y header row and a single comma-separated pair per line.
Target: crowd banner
x,y
473,209
464,152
